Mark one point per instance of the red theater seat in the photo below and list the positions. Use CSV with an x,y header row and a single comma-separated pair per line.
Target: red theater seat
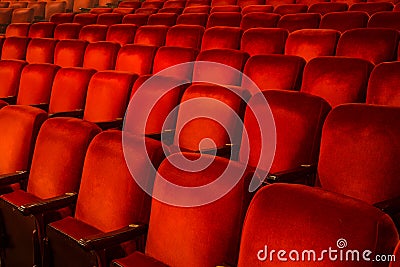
x,y
257,8
136,59
231,19
167,19
385,19
67,31
185,36
174,10
18,29
246,3
375,45
151,35
221,37
343,21
195,3
372,8
227,8
109,19
15,48
93,33
312,43
146,11
41,50
396,253
259,20
130,4
264,41
327,7
42,30
22,15
70,53
286,9
60,18
85,18
5,15
153,4
121,33
222,2
49,177
10,74
124,11
174,3
57,7
137,19
293,22
193,19
101,55
337,79
197,9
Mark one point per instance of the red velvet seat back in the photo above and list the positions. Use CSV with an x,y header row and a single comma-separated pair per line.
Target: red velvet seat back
x,y
257,8
375,45
69,89
151,35
385,19
15,48
372,8
360,143
174,3
109,19
185,36
286,9
101,55
167,19
10,74
70,53
199,19
19,126
327,7
67,31
85,18
343,21
108,95
35,84
274,72
42,30
226,8
298,123
136,58
221,37
199,9
228,19
264,41
121,33
137,19
41,50
93,33
246,3
59,155
293,22
300,218
312,43
60,18
259,20
130,4
337,79
170,56
204,235
383,84
17,29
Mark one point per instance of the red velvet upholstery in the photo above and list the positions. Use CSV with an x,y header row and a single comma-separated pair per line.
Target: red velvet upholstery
x,y
18,5
300,218
396,7
85,18
18,29
21,15
385,19
67,31
101,55
69,89
337,79
56,7
147,10
93,33
375,45
264,41
124,10
15,48
100,10
130,4
42,30
109,19
70,53
259,20
312,43
226,8
193,19
121,33
293,22
232,58
170,56
136,58
274,72
349,2
197,9
245,3
109,198
5,15
185,36
19,126
343,21
108,95
327,7
174,3
138,259
137,19
192,3
230,19
309,2
153,4
383,82
39,9
257,8
221,37
189,134
371,8
222,2
10,74
35,84
60,18
217,224
151,35
174,10
286,9
167,19
396,252
298,122
41,50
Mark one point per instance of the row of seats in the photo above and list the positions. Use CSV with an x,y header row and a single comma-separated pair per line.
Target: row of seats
x,y
81,238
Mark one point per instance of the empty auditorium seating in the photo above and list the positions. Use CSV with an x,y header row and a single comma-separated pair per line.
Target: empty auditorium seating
x,y
151,35
382,85
42,30
18,29
109,200
39,9
174,10
264,41
69,88
93,33
5,15
109,19
257,8
18,4
212,74
124,10
231,19
221,37
337,79
59,18
293,22
274,72
312,43
85,18
371,8
153,4
321,218
174,3
41,50
15,48
22,15
101,55
197,9
245,3
137,19
185,36
327,7
70,53
375,45
67,31
35,84
49,177
193,19
58,7
147,10
222,2
121,33
100,10
136,59
259,20
227,8
286,9
343,21
167,19
130,4
10,74
385,19
78,4
195,3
